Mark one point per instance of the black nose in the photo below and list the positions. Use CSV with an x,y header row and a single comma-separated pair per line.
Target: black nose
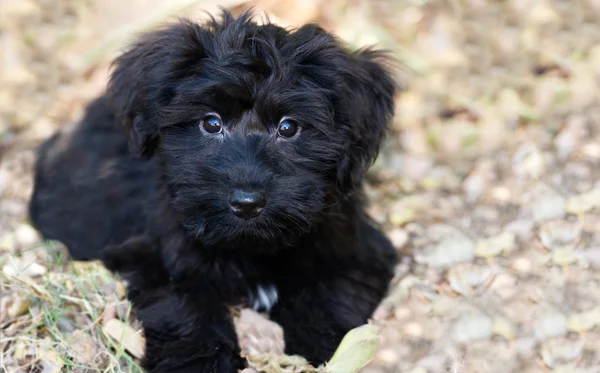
x,y
247,204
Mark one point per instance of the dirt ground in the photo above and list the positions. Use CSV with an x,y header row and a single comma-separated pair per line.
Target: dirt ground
x,y
489,183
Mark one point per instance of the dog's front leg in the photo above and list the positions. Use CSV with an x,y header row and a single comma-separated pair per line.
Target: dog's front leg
x,y
315,317
187,330
187,326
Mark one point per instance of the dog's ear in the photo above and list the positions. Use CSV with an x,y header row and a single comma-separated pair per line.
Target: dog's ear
x,y
144,76
366,107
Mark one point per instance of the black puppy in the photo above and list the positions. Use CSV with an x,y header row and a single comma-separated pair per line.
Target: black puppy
x,y
254,142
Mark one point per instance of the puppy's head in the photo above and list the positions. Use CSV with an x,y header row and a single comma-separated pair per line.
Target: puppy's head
x,y
257,129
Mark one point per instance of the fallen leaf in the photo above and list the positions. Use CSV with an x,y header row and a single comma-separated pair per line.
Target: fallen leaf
x,y
126,335
355,351
504,328
494,246
584,321
584,202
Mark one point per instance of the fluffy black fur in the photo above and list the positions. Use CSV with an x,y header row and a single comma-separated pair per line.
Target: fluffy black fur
x,y
163,220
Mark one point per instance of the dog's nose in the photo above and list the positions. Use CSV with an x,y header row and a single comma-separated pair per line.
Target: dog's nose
x,y
247,204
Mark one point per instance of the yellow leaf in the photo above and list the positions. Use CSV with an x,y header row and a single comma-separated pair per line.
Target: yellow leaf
x,y
355,351
126,335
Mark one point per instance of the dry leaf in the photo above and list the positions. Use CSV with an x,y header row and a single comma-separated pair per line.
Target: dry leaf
x,y
126,335
355,351
584,202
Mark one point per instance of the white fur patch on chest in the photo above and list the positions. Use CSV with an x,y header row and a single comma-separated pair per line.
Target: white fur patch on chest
x,y
262,298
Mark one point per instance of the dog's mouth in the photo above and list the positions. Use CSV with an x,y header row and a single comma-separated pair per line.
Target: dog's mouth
x,y
264,231
239,216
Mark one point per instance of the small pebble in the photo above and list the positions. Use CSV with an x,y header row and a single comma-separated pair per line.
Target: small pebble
x,y
471,328
399,237
521,227
529,161
26,236
547,204
388,355
465,277
413,329
505,285
522,265
447,247
592,257
559,232
559,351
550,323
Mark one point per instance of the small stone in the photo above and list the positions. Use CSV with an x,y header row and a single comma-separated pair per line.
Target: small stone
x,y
505,285
413,329
26,236
522,265
564,255
559,351
529,161
584,202
525,347
550,323
402,313
447,246
521,227
556,233
479,180
501,194
388,356
591,150
568,140
504,328
399,237
592,257
472,328
542,13
465,277
494,246
547,204
584,321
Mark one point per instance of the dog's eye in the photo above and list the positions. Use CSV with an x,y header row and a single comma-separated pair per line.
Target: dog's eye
x,y
212,124
287,128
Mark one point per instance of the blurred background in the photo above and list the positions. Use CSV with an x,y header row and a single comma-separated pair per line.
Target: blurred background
x,y
489,183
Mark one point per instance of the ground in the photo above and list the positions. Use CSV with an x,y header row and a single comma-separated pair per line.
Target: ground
x,y
489,183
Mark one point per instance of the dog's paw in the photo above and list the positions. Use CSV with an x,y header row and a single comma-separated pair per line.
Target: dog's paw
x,y
130,255
138,262
224,360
